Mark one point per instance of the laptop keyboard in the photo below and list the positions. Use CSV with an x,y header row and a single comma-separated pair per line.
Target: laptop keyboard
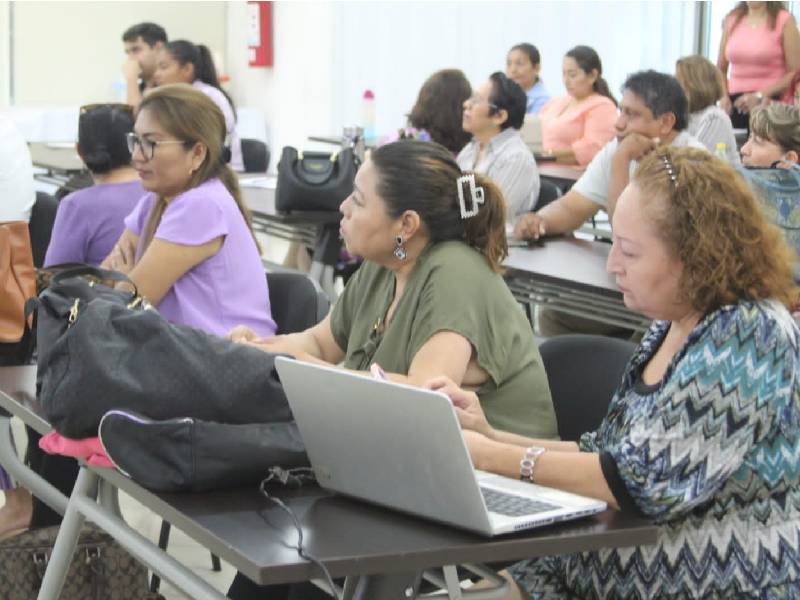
x,y
511,505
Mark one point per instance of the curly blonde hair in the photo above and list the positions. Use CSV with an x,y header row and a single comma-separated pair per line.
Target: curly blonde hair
x,y
712,222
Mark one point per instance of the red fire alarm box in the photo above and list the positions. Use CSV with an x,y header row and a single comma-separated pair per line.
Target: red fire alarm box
x,y
259,33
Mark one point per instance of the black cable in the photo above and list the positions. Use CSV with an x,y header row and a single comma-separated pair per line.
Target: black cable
x,y
295,478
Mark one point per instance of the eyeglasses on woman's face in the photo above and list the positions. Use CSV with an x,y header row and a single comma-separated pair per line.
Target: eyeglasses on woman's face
x,y
146,145
477,99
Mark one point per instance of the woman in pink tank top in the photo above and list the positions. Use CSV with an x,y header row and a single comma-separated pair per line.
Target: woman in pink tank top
x,y
759,53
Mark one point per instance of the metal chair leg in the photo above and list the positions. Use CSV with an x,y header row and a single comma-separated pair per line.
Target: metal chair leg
x,y
163,542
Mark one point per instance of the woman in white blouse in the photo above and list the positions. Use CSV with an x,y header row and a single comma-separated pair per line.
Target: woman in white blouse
x,y
703,84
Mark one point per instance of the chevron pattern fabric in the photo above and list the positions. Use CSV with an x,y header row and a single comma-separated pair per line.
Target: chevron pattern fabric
x,y
713,456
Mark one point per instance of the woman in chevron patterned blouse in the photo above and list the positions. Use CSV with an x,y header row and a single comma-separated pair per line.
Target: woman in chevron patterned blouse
x,y
703,433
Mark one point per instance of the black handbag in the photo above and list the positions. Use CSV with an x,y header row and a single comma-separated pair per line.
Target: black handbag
x,y
314,181
101,349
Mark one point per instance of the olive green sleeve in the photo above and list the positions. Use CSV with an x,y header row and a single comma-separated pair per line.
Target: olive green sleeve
x,y
458,300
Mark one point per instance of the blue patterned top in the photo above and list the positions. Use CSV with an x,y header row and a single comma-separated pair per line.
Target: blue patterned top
x,y
712,454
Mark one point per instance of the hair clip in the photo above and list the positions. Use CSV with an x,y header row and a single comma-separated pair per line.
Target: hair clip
x,y
670,169
476,195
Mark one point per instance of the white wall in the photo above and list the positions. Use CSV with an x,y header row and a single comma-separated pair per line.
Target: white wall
x,y
296,94
328,53
71,52
4,57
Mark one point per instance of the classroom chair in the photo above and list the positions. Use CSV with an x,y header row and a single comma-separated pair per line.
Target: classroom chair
x,y
255,156
548,191
40,226
297,303
584,371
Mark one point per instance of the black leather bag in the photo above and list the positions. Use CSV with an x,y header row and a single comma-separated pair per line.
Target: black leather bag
x,y
102,349
314,181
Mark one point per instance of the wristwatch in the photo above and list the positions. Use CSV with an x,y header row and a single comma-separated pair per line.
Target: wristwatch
x,y
528,462
759,96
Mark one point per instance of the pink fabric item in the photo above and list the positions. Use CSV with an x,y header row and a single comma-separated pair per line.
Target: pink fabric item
x,y
89,449
755,54
584,128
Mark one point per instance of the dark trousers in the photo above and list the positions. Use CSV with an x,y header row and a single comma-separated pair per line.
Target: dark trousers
x,y
59,471
739,120
243,588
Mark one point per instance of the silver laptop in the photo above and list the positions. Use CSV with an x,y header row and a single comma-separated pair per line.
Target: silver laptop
x,y
401,447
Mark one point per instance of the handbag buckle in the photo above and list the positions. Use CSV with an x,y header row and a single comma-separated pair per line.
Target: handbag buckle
x,y
73,312
40,560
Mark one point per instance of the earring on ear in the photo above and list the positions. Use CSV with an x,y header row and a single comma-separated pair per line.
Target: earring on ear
x,y
399,249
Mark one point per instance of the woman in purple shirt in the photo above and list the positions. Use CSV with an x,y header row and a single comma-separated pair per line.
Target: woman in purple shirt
x,y
90,221
189,245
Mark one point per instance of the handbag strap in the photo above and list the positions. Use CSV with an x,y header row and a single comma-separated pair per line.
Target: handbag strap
x,y
79,270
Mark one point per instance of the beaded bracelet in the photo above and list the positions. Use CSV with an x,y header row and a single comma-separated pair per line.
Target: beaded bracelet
x,y
528,462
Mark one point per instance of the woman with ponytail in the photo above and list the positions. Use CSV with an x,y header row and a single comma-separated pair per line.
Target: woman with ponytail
x,y
576,126
429,299
181,61
189,245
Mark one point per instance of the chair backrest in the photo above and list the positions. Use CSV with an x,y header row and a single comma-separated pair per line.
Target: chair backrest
x,y
296,300
43,215
584,371
548,191
255,156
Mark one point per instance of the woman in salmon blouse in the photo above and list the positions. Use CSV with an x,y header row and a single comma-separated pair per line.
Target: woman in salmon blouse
x,y
576,126
761,45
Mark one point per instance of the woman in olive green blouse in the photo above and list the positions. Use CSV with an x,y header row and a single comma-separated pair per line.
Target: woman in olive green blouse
x,y
428,299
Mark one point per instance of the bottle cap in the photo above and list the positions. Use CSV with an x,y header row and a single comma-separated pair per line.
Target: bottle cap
x,y
368,95
721,146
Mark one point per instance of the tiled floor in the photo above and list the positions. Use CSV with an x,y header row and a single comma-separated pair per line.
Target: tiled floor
x,y
181,547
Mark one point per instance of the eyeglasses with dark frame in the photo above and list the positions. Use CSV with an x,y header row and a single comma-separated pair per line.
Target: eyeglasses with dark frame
x,y
148,147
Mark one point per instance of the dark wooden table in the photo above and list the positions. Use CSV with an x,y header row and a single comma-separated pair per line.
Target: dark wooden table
x,y
569,275
352,538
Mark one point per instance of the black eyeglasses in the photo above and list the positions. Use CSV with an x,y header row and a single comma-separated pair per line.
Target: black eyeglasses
x,y
147,147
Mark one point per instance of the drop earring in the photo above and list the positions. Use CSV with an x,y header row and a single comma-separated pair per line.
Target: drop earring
x,y
399,250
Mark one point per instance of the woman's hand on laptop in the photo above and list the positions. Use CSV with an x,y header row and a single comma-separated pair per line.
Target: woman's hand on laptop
x,y
467,405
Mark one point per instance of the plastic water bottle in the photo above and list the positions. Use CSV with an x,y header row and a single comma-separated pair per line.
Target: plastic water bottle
x,y
368,116
721,151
